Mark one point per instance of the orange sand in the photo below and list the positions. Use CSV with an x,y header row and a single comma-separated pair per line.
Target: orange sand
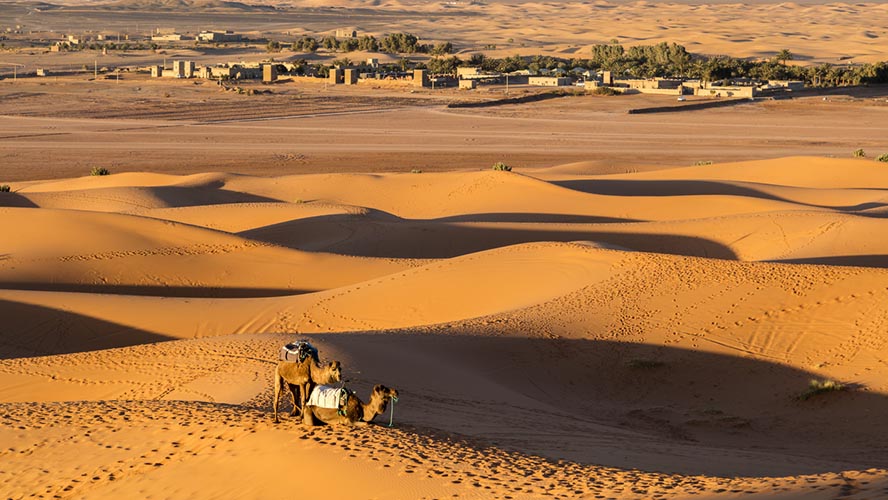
x,y
551,332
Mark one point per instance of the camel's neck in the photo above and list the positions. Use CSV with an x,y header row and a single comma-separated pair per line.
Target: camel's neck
x,y
371,409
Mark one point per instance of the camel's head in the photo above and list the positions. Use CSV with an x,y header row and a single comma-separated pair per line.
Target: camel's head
x,y
333,371
381,395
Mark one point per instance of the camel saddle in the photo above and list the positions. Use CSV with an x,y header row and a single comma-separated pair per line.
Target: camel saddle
x,y
328,396
298,351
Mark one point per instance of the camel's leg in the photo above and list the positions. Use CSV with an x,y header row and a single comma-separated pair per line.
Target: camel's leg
x,y
296,409
308,416
277,393
304,390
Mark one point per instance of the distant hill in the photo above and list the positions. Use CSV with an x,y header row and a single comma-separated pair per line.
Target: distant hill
x,y
180,5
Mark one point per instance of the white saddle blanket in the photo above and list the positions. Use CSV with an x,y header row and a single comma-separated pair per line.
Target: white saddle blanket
x,y
326,396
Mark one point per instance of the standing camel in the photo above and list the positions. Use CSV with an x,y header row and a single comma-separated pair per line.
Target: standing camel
x,y
301,376
354,412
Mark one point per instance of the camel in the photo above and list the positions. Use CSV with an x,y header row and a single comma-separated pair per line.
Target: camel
x,y
355,411
301,376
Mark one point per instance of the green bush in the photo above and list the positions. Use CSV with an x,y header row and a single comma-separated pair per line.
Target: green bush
x,y
818,387
859,153
702,163
5,188
883,158
603,91
502,167
99,171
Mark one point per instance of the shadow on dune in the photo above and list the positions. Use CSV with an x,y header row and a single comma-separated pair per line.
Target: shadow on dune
x,y
535,218
155,291
177,196
360,236
843,260
13,200
30,330
687,188
619,404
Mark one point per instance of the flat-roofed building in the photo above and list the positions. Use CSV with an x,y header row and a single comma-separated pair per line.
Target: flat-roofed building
x,y
420,78
350,76
219,36
269,73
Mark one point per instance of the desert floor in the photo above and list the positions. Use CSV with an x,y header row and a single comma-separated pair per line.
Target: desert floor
x,y
63,126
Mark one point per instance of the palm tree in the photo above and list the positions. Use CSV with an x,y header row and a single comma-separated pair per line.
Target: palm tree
x,y
783,56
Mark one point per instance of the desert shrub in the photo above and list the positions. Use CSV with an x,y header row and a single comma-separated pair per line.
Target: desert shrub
x,y
818,387
502,167
99,171
702,163
416,171
644,364
859,153
604,91
883,158
5,188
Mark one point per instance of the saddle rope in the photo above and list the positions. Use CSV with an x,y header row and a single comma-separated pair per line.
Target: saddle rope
x,y
392,414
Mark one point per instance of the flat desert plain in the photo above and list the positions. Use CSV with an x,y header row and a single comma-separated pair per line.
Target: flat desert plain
x,y
637,310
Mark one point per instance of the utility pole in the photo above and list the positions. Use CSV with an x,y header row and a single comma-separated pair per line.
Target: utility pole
x,y
14,69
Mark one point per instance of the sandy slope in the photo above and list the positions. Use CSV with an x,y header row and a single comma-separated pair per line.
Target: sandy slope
x,y
138,346
113,253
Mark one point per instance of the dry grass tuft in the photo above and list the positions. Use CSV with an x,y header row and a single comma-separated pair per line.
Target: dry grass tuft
x,y
818,387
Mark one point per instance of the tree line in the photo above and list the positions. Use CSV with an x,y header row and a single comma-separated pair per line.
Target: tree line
x,y
393,43
672,60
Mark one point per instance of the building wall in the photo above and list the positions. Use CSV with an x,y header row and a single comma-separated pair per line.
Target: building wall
x,y
652,83
727,91
336,76
463,72
219,36
420,78
269,73
549,81
350,76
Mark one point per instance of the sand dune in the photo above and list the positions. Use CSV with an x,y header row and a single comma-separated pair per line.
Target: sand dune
x,y
114,253
552,333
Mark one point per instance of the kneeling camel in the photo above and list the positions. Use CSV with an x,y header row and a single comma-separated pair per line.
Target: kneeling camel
x,y
355,412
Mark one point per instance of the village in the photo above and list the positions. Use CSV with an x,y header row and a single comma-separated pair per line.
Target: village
x,y
413,72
